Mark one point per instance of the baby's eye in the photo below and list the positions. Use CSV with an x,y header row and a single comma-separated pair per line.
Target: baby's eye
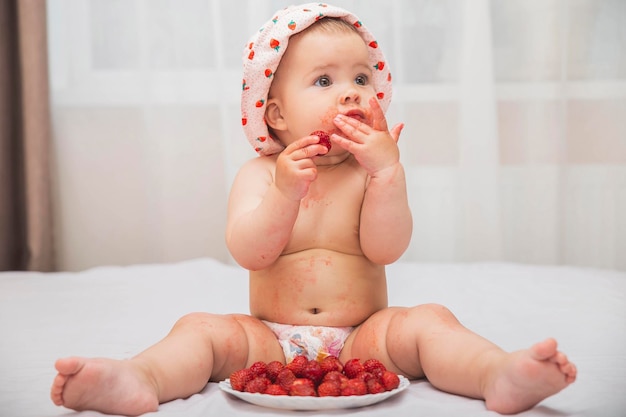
x,y
361,79
323,81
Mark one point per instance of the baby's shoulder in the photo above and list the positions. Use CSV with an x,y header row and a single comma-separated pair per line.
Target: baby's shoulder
x,y
260,163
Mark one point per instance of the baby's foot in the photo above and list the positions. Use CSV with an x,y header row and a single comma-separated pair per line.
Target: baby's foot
x,y
105,385
527,377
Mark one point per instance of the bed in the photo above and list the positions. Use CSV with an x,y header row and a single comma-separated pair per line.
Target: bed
x,y
118,311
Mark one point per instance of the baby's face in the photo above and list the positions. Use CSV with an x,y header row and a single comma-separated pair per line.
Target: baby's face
x,y
320,75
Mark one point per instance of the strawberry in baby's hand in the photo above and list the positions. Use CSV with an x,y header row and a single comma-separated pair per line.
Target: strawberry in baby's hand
x,y
324,138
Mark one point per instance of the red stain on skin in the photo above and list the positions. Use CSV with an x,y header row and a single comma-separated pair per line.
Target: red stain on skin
x,y
329,126
326,121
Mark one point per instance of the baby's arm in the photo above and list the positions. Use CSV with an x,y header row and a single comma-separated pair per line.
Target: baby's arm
x,y
386,223
265,200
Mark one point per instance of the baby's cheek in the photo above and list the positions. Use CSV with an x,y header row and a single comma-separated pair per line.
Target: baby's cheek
x,y
327,118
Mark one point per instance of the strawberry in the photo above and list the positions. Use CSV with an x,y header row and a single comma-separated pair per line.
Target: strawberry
x,y
352,368
273,368
292,25
354,387
366,376
373,44
259,369
331,363
302,387
240,378
324,138
390,380
285,378
258,384
275,389
329,389
336,376
297,365
313,371
375,367
374,387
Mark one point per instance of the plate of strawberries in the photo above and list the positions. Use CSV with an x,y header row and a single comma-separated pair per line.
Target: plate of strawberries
x,y
305,384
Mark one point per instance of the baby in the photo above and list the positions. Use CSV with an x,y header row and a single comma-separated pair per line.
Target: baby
x,y
315,224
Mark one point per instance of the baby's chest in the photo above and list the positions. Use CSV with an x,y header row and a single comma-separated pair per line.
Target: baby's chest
x,y
330,213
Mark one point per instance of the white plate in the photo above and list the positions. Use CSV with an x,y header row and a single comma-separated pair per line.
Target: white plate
x,y
313,403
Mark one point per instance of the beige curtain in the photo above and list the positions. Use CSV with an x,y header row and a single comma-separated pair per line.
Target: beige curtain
x,y
26,241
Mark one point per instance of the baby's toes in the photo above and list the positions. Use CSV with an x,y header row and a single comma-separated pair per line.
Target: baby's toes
x,y
570,371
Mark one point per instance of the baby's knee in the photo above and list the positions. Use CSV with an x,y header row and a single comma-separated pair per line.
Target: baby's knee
x,y
197,319
433,311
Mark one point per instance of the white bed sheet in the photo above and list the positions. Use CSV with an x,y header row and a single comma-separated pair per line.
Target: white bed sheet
x,y
118,311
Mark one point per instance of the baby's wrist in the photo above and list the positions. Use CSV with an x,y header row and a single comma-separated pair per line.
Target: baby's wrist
x,y
389,172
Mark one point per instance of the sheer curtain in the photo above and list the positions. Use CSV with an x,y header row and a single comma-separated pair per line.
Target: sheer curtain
x,y
515,139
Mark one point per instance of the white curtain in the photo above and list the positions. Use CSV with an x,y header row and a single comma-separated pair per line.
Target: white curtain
x,y
515,139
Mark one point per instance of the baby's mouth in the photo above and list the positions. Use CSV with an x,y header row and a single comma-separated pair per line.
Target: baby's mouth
x,y
357,115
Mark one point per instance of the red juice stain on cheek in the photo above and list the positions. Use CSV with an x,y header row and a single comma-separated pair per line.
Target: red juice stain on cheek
x,y
326,121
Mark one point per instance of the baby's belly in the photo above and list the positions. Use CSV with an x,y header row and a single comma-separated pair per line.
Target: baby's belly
x,y
318,287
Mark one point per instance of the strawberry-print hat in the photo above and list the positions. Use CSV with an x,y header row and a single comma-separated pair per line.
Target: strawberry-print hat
x,y
262,55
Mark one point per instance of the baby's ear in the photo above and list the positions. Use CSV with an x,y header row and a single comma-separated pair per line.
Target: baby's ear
x,y
273,115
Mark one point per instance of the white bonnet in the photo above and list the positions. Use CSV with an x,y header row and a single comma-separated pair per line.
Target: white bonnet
x,y
262,55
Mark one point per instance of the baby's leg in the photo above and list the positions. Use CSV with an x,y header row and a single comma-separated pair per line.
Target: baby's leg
x,y
199,347
429,341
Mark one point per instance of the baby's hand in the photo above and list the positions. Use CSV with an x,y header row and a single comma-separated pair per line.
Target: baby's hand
x,y
295,169
374,147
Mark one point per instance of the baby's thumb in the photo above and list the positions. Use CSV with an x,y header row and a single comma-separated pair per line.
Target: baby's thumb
x,y
396,130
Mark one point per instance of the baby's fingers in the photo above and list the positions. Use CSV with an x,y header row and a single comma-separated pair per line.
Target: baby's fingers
x,y
396,130
306,147
352,128
379,122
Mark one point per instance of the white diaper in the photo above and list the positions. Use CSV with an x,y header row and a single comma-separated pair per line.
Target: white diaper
x,y
314,342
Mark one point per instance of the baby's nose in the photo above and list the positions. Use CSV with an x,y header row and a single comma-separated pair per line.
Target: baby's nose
x,y
350,96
